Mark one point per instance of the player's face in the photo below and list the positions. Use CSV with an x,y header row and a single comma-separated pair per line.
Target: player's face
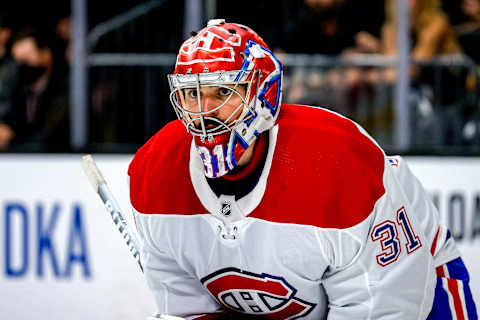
x,y
224,103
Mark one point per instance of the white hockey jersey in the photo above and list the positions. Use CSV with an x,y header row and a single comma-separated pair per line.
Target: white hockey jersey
x,y
333,229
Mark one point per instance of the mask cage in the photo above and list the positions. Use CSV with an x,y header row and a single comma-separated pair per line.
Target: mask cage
x,y
179,82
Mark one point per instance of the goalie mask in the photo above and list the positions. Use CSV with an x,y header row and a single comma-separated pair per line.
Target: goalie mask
x,y
226,89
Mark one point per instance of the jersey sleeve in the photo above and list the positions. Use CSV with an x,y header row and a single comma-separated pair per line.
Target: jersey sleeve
x,y
388,270
175,291
441,244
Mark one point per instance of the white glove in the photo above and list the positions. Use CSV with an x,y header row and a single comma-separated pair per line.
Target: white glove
x,y
163,317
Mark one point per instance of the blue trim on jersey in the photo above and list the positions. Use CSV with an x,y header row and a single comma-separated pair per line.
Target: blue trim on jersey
x,y
441,307
448,235
457,270
469,303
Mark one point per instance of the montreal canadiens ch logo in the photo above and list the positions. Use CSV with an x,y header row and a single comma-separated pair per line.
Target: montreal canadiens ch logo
x,y
212,40
262,295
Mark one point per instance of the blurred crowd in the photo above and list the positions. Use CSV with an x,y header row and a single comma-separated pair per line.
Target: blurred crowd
x,y
443,101
35,58
34,99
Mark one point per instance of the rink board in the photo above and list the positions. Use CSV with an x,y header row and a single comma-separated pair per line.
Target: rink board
x,y
61,257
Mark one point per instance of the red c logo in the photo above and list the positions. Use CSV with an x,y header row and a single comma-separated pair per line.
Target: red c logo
x,y
259,294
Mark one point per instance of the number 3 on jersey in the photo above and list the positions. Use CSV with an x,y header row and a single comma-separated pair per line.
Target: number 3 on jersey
x,y
387,233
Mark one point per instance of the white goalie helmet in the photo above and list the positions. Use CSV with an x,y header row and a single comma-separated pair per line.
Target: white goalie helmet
x,y
234,65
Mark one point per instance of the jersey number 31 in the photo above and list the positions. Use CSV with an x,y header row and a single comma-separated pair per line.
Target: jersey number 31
x,y
386,232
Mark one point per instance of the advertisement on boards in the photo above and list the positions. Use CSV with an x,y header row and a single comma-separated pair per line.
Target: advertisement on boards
x,y
61,255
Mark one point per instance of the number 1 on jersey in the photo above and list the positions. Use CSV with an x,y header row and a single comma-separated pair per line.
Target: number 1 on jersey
x,y
413,241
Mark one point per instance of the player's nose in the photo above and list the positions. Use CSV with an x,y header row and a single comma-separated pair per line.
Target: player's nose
x,y
208,105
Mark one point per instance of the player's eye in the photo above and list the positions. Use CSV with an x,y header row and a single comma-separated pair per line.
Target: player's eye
x,y
224,92
192,93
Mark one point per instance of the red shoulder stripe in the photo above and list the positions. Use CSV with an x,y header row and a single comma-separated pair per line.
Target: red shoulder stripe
x,y
159,174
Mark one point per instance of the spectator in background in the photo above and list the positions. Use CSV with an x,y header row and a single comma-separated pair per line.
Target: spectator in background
x,y
431,35
471,8
468,32
62,31
39,116
431,32
468,35
322,28
8,80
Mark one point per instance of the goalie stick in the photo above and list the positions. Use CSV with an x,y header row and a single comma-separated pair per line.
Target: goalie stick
x,y
101,188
